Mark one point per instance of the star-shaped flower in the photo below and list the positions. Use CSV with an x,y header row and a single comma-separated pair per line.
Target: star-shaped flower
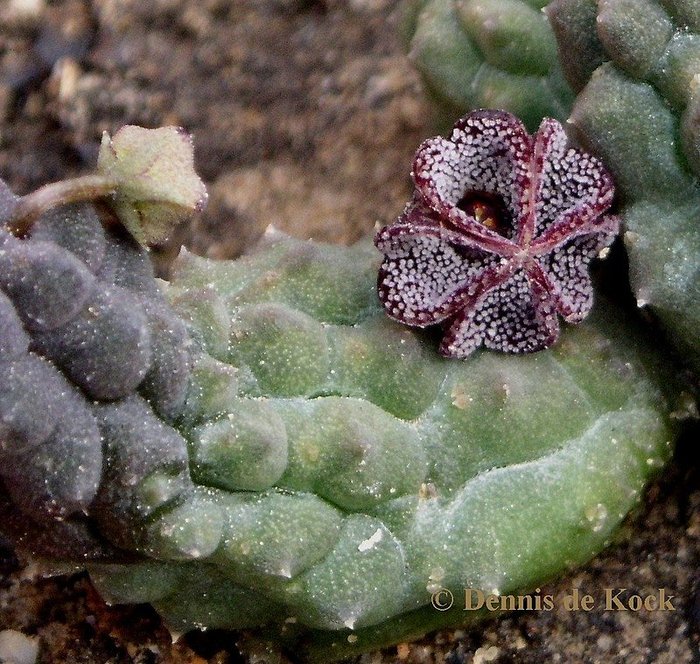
x,y
498,237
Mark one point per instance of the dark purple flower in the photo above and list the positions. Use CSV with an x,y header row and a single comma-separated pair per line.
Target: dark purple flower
x,y
498,237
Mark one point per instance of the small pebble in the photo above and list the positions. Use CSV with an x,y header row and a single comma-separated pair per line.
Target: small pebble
x,y
486,654
403,651
25,9
604,642
17,648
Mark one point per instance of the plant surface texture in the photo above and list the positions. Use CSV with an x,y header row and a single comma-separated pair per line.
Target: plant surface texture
x,y
492,54
634,69
282,456
254,444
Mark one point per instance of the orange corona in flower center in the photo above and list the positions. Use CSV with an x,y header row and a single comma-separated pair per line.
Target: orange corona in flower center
x,y
487,209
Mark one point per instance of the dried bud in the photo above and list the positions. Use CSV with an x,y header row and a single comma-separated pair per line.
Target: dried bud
x,y
157,184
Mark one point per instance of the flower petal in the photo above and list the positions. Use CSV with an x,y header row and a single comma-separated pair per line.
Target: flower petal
x,y
417,218
422,276
566,270
517,316
488,151
576,223
572,188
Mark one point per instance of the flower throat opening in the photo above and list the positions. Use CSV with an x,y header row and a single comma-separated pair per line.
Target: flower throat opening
x,y
488,209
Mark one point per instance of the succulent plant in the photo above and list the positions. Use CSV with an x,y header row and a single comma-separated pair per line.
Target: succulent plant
x,y
267,450
634,69
488,54
83,322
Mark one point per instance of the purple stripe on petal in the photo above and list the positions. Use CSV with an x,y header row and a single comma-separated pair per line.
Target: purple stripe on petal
x,y
458,237
509,318
576,224
422,275
566,269
488,152
566,179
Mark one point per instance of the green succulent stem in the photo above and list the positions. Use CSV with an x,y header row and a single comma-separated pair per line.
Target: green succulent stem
x,y
292,461
80,189
623,76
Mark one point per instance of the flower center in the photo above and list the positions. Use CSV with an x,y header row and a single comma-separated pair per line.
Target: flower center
x,y
488,209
